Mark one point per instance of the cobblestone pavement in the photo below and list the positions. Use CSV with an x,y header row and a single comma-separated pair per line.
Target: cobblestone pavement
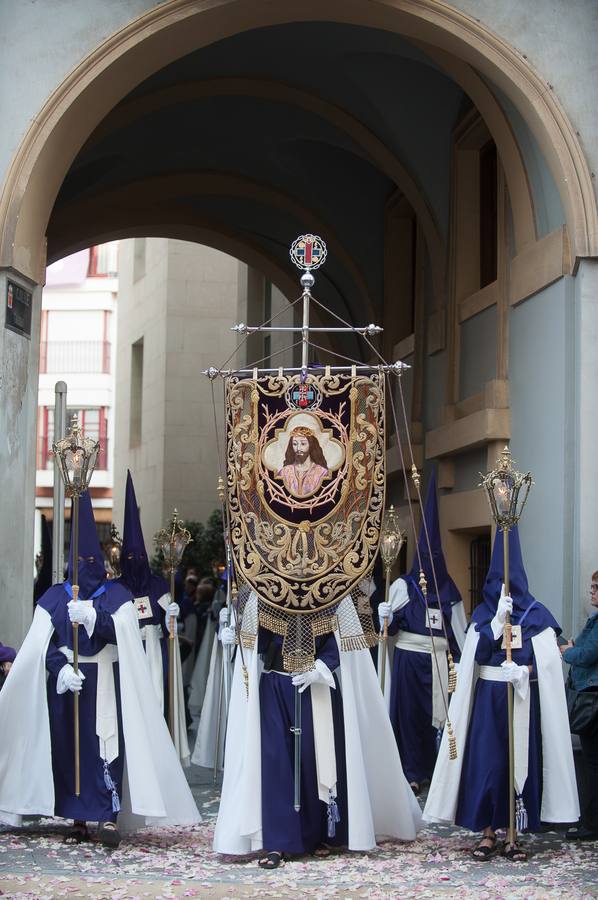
x,y
35,862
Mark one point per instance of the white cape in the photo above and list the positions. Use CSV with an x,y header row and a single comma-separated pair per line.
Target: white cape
x,y
209,730
379,799
199,677
155,790
559,789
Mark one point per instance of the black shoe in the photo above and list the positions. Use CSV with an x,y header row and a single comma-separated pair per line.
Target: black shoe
x,y
109,835
581,833
78,834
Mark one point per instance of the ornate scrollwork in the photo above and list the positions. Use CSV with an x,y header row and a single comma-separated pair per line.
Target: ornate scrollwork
x,y
305,489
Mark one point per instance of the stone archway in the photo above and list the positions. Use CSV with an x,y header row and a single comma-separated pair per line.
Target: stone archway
x,y
165,33
467,50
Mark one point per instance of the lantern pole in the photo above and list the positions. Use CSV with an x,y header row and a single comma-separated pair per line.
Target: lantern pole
x,y
75,587
171,649
172,541
507,491
76,456
58,487
391,541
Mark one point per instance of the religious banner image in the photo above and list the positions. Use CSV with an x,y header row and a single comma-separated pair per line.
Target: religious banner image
x,y
306,467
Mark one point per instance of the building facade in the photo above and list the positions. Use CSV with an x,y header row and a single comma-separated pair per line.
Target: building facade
x,y
445,151
177,304
78,346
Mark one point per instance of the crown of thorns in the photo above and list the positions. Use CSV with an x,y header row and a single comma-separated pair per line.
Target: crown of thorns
x,y
303,430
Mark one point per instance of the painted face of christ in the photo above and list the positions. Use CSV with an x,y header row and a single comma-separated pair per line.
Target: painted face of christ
x,y
304,463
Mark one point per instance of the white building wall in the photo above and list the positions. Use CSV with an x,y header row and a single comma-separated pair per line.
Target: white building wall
x,y
182,305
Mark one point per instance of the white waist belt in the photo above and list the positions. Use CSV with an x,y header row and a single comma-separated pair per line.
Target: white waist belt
x,y
110,650
106,712
150,629
422,643
520,724
492,673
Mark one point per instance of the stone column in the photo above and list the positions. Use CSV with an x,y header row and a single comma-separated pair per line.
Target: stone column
x,y
19,366
582,448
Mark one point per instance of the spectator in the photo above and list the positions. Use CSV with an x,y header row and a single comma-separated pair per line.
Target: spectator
x,y
7,657
582,656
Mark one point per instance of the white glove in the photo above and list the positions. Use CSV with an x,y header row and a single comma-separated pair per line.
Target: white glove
x,y
69,680
223,616
227,635
83,613
505,605
518,676
384,612
319,674
172,611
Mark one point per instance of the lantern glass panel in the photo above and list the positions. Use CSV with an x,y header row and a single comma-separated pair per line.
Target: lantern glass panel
x,y
522,492
503,494
179,546
390,546
74,460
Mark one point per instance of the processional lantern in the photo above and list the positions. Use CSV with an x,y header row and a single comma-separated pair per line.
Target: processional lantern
x,y
171,543
114,550
391,541
76,455
507,491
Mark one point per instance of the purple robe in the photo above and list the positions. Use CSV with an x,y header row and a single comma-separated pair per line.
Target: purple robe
x,y
284,829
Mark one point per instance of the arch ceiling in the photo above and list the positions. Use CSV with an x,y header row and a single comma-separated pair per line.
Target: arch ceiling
x,y
294,122
273,132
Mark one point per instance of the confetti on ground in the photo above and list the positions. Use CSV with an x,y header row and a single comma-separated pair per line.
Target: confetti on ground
x,y
35,862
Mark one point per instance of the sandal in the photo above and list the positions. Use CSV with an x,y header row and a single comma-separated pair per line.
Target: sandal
x,y
271,860
514,853
481,852
322,851
78,834
415,787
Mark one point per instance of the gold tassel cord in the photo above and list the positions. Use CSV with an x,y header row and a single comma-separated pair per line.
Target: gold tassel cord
x,y
452,741
246,680
452,678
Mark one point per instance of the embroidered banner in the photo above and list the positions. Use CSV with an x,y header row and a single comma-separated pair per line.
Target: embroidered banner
x,y
306,476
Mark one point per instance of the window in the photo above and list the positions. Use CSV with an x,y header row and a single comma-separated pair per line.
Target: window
x,y
488,213
103,260
136,393
69,342
400,231
479,563
139,252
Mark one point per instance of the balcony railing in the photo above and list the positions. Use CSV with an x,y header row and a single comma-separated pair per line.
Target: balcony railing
x,y
45,459
84,357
